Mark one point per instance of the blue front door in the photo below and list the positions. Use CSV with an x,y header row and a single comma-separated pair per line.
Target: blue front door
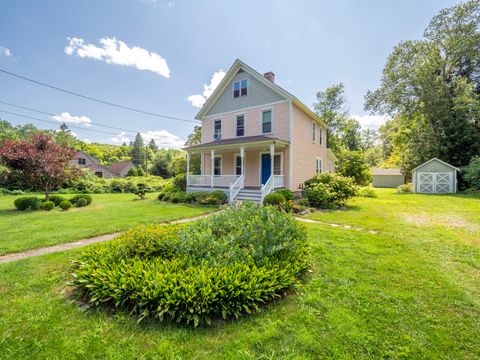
x,y
266,167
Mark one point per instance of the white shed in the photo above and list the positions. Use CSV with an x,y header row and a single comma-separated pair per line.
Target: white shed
x,y
435,177
387,178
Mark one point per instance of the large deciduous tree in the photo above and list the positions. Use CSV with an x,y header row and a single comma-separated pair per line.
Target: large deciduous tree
x,y
431,88
41,161
195,138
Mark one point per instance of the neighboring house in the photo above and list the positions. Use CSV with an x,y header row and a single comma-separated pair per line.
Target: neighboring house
x,y
435,177
86,161
257,137
387,178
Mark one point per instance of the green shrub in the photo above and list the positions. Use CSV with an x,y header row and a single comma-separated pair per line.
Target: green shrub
x,y
65,205
132,172
48,205
404,189
140,172
56,199
217,197
28,203
367,191
353,164
76,198
180,181
287,194
327,191
471,173
142,189
274,199
224,266
81,202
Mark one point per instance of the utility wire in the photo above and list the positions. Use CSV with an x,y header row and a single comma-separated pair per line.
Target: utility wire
x,y
65,118
56,123
94,99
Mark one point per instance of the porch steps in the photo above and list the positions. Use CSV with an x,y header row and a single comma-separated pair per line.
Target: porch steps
x,y
249,195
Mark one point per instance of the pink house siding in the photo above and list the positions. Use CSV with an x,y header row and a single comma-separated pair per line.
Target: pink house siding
x,y
304,150
253,122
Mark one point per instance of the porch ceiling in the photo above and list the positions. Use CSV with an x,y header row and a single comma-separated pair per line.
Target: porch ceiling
x,y
248,142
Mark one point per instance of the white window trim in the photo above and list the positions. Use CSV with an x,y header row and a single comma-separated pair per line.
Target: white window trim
x,y
233,88
260,153
221,164
313,132
244,124
221,128
262,110
317,159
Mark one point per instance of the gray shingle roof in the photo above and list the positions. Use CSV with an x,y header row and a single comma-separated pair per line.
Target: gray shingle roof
x,y
237,140
386,172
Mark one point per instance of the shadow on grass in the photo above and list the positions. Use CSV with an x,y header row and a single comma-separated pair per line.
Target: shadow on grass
x,y
10,212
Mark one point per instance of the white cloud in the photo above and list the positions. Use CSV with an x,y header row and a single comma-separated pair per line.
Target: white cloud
x,y
198,100
370,121
88,141
171,4
114,51
5,51
163,139
66,117
120,138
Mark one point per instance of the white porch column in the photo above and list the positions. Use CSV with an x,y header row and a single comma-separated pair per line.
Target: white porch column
x,y
188,169
242,156
212,156
272,157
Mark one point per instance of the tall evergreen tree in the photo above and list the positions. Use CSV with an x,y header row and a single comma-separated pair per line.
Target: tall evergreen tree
x,y
153,146
138,151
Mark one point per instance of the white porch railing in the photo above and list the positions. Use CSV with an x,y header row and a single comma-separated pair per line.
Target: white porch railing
x,y
199,180
266,188
235,188
278,181
224,180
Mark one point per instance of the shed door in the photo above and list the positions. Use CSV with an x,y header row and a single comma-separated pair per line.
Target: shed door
x,y
435,183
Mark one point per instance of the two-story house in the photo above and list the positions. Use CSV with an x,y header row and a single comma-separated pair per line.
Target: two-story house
x,y
257,137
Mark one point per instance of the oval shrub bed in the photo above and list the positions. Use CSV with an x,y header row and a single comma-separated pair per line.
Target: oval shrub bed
x,y
225,266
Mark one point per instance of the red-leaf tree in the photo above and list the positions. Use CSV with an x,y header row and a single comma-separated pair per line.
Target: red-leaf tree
x,y
41,161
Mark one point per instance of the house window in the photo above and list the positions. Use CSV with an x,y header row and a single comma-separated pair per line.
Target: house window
x,y
331,167
320,140
314,131
238,165
267,121
217,166
319,166
82,161
240,125
240,88
277,165
217,132
99,174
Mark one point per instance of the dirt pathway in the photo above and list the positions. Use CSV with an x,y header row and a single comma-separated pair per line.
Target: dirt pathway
x,y
102,238
76,244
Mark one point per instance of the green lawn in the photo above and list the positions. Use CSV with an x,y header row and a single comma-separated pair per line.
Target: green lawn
x,y
410,291
108,213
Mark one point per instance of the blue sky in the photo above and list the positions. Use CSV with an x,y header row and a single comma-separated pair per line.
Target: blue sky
x,y
155,54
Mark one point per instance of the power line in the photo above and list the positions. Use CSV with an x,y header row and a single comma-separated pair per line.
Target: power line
x,y
94,99
64,117
56,123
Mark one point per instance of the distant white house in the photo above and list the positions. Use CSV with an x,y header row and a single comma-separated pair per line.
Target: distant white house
x,y
435,177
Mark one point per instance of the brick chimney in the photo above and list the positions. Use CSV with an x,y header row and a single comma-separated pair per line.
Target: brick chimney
x,y
270,76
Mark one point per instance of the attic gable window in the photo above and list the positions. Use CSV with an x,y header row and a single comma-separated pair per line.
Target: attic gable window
x,y
240,88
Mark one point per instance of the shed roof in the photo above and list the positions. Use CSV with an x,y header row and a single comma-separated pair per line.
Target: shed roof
x,y
436,159
378,171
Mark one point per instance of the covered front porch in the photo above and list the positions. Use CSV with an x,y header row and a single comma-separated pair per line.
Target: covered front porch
x,y
233,166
